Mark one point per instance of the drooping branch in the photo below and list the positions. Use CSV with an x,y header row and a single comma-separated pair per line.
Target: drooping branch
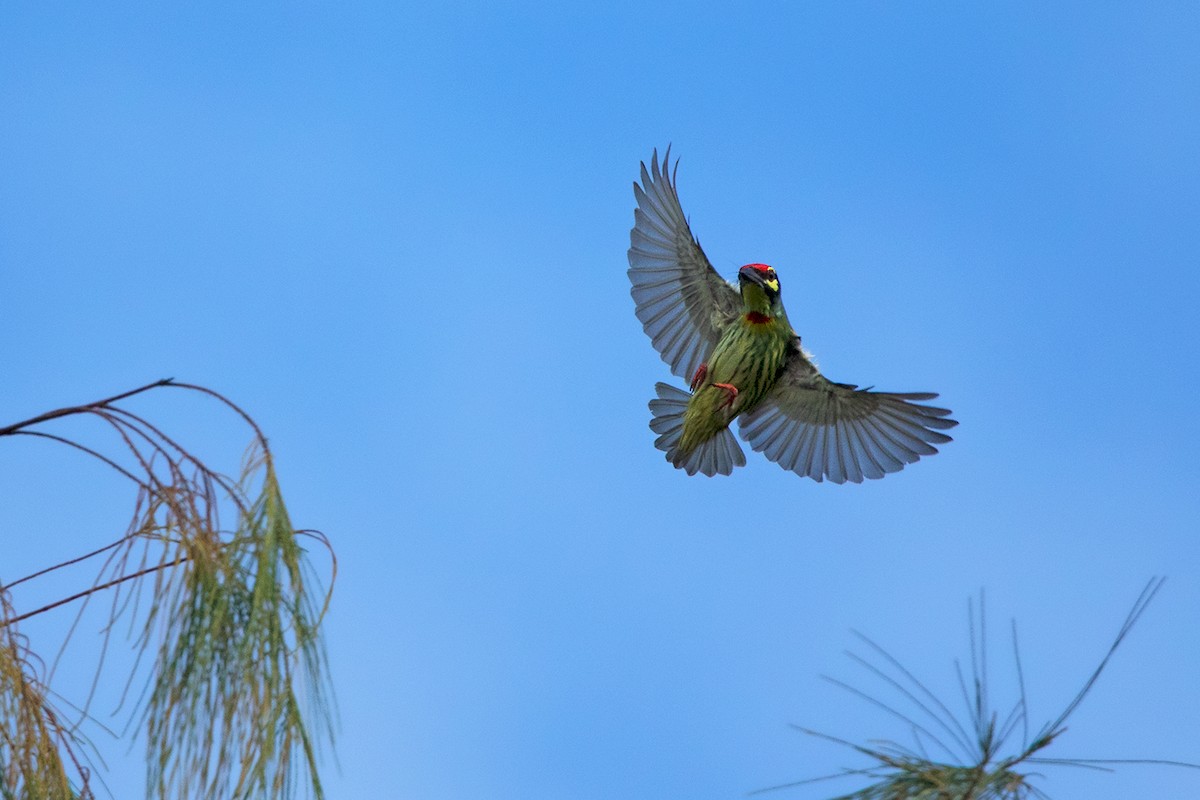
x,y
231,614
4,623
83,409
61,564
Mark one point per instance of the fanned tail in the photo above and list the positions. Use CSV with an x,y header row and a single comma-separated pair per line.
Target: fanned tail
x,y
717,456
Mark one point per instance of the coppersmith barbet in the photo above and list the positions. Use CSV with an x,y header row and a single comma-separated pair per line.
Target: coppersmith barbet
x,y
743,360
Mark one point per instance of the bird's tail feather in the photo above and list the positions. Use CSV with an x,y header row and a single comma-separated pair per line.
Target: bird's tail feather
x,y
717,456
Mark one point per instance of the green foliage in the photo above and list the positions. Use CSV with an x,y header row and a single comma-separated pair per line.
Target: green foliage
x,y
33,744
224,718
973,767
239,702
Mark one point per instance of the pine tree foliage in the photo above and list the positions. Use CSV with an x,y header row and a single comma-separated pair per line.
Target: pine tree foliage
x,y
35,749
959,756
228,605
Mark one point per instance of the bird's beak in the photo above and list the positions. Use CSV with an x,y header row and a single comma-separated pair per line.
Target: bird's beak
x,y
756,277
752,275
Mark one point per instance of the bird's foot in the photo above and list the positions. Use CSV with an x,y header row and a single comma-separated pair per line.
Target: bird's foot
x,y
698,378
733,393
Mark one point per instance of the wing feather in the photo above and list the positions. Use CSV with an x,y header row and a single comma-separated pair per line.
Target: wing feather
x,y
836,431
681,300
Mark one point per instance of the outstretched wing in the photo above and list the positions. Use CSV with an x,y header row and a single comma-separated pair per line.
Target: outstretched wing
x,y
815,427
681,300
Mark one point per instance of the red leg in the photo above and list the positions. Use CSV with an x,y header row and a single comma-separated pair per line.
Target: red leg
x,y
733,393
698,378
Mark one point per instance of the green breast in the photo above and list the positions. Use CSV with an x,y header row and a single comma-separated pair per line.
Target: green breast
x,y
749,356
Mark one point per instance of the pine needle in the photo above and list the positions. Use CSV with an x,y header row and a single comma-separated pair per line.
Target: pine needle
x,y
895,772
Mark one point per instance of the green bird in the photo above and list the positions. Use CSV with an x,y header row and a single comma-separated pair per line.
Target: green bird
x,y
743,360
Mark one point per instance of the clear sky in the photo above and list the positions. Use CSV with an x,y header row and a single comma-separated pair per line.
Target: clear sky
x,y
397,234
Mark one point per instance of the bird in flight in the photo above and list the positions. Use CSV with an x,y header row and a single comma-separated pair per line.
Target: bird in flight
x,y
742,359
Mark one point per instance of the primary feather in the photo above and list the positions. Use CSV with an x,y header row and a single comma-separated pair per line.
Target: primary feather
x,y
681,300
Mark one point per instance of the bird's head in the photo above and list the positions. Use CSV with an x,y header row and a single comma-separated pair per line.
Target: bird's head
x,y
760,289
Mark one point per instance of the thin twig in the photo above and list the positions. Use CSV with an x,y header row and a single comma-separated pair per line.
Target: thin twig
x,y
205,390
89,451
66,563
65,412
94,589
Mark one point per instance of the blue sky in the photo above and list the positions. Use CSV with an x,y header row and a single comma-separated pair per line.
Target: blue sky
x,y
396,235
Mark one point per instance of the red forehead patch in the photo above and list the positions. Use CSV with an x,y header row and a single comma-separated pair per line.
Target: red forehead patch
x,y
758,267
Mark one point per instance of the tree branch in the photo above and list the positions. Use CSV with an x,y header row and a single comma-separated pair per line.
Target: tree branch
x,y
65,412
66,563
86,592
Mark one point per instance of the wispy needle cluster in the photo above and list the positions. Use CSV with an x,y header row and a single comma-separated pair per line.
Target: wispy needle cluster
x,y
213,578
961,756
